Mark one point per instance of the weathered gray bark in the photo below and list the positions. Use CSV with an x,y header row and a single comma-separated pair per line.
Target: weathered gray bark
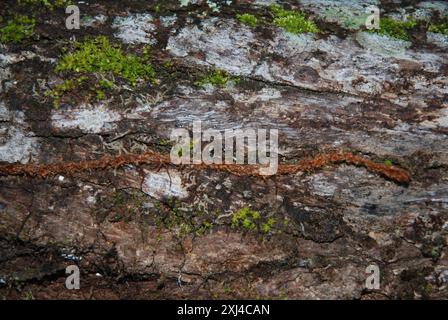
x,y
155,232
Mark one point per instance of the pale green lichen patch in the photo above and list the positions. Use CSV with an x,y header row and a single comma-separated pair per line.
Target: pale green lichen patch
x,y
438,39
383,44
349,14
346,19
441,7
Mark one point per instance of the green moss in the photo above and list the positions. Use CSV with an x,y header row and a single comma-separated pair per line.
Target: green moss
x,y
96,59
127,205
168,64
106,83
183,221
49,4
439,28
427,289
388,162
395,28
433,249
245,218
100,95
227,290
217,78
268,225
292,21
28,295
165,142
248,19
62,89
17,29
100,56
204,228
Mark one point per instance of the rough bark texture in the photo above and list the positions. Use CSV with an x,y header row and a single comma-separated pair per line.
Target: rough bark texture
x,y
154,230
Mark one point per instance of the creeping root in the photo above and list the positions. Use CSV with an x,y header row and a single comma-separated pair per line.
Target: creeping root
x,y
394,173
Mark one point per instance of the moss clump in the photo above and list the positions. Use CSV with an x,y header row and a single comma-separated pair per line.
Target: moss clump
x,y
165,143
217,78
98,55
248,19
28,295
96,91
439,28
21,27
127,206
268,225
182,221
292,21
49,4
433,248
245,218
61,89
396,28
97,59
388,162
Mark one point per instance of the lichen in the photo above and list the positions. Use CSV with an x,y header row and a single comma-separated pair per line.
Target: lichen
x,y
346,17
135,29
348,14
383,44
438,39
